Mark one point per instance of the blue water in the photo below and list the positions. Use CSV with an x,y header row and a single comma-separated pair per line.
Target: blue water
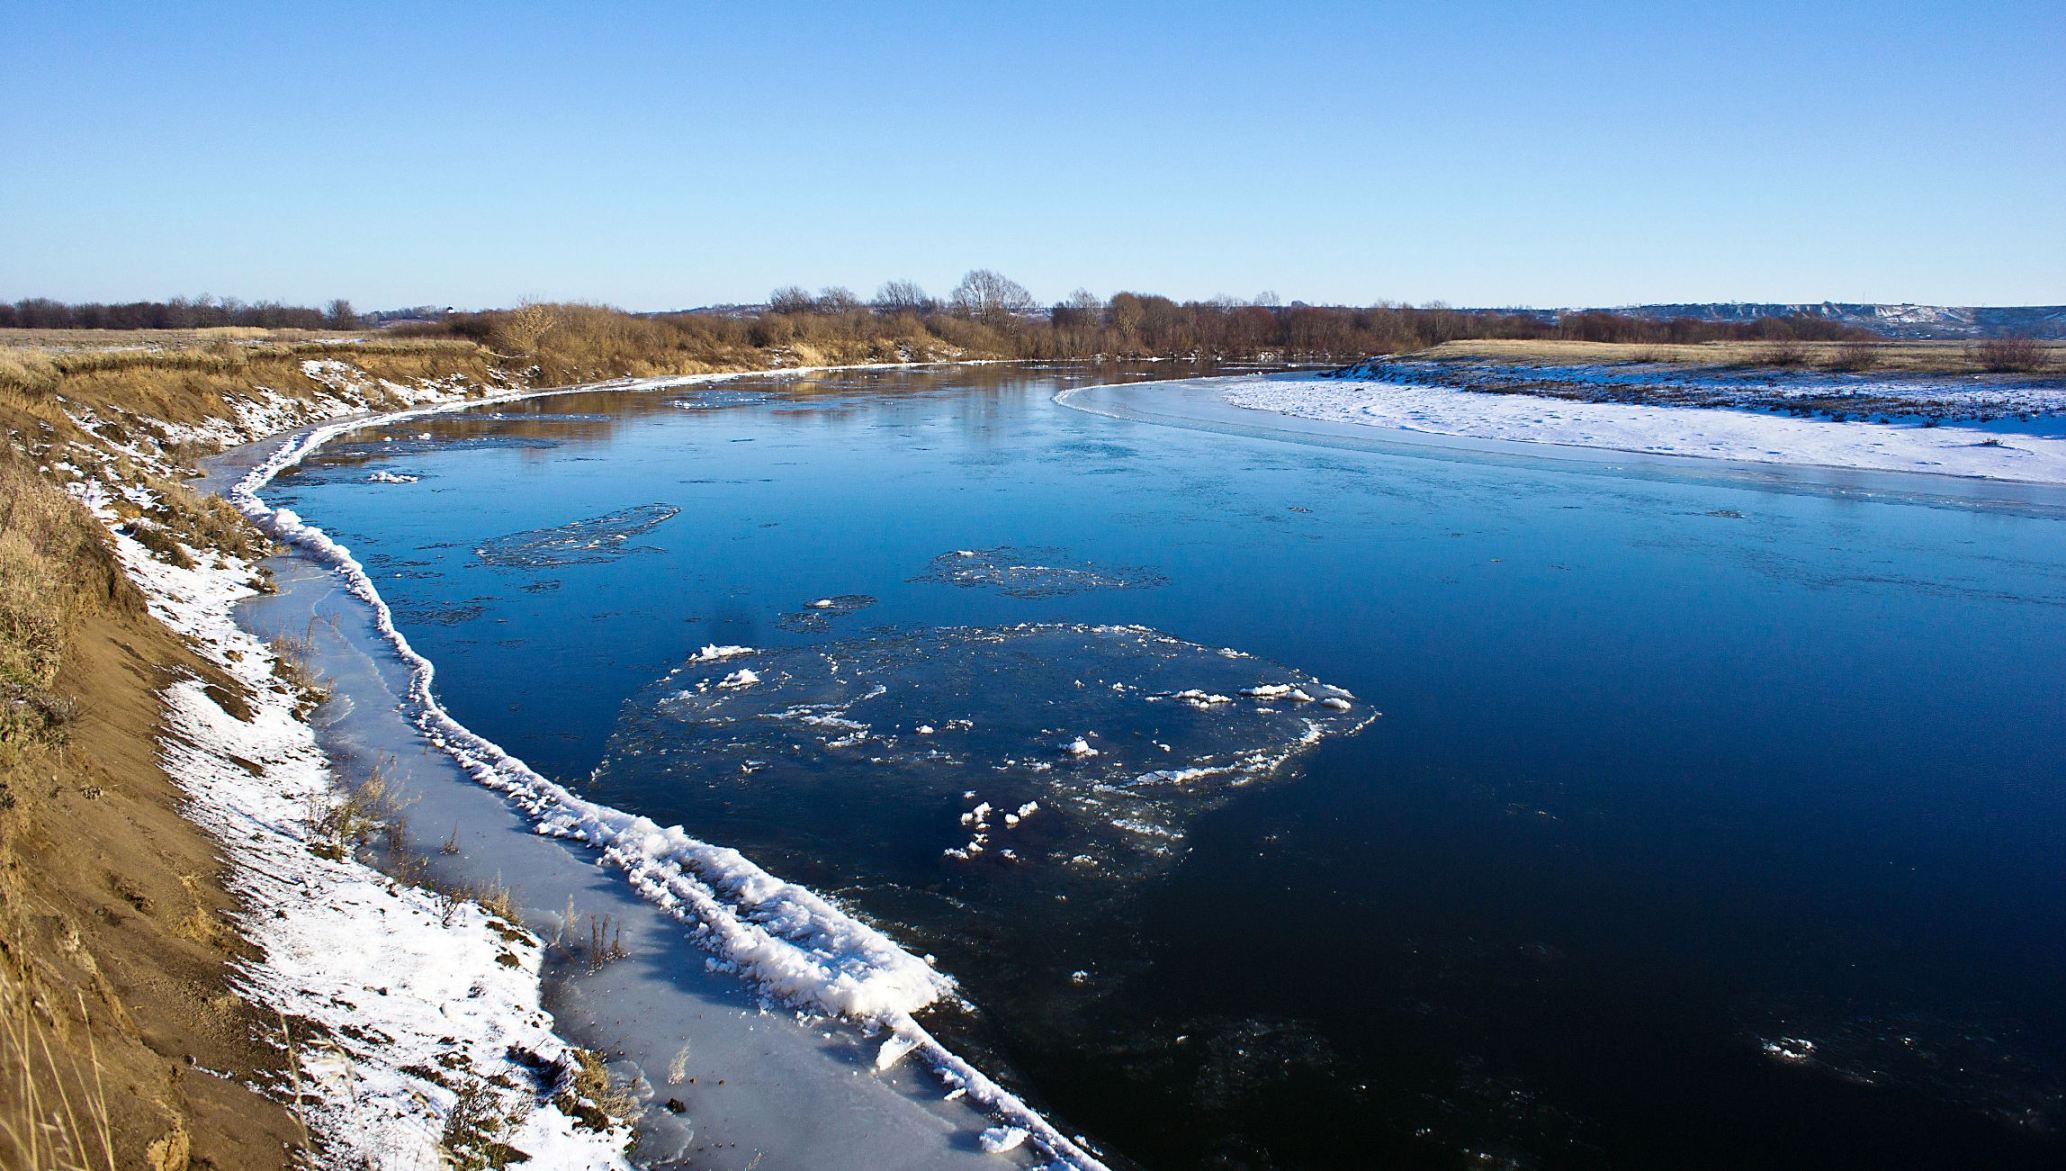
x,y
1673,775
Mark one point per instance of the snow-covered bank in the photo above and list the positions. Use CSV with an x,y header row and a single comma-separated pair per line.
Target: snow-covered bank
x,y
794,944
414,1022
2014,450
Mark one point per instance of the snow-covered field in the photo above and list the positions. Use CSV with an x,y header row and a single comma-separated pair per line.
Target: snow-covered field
x,y
2010,448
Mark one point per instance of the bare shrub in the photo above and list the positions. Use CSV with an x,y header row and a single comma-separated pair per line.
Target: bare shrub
x,y
520,331
2010,355
1855,357
1784,353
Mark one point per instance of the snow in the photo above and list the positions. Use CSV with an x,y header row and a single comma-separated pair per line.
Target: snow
x,y
999,1139
2007,449
384,983
712,654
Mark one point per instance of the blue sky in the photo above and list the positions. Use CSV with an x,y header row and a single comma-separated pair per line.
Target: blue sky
x,y
673,154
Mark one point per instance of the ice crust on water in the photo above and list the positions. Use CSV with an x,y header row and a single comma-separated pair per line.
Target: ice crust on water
x,y
583,542
795,944
1034,572
1079,723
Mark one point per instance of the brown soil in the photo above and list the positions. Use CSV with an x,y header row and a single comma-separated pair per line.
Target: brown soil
x,y
118,919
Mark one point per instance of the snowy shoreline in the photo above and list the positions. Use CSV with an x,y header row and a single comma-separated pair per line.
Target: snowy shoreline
x,y
790,942
404,1014
2012,450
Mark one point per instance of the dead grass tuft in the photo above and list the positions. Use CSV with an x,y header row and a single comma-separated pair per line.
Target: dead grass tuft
x,y
54,1112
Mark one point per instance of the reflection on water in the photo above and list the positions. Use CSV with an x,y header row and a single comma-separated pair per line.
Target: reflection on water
x,y
1707,825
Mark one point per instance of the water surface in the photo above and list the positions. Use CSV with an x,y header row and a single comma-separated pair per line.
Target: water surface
x,y
1704,825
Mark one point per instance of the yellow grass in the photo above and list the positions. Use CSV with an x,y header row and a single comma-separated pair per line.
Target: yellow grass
x,y
72,340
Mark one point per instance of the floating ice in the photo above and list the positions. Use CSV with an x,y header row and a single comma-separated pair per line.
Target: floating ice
x,y
582,542
712,653
712,398
1035,572
861,741
816,617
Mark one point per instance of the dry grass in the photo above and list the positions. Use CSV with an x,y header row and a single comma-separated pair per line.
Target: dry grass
x,y
1910,357
53,1099
593,1098
189,384
53,564
68,340
342,822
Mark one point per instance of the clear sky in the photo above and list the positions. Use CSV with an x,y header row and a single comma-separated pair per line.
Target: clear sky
x,y
688,152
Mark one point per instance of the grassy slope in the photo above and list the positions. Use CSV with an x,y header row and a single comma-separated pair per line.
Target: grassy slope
x,y
113,926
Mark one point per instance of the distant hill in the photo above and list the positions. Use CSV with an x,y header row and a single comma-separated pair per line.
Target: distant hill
x,y
1900,321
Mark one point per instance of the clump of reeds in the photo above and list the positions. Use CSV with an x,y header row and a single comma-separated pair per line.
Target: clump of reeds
x,y
294,664
342,822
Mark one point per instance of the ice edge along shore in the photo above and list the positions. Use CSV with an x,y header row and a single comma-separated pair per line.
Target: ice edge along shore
x,y
2006,450
788,941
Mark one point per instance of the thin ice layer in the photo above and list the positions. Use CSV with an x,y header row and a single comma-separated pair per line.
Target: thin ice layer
x,y
1061,746
1035,572
582,542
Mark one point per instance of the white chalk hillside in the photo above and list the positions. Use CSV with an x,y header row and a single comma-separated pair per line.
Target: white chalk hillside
x,y
2004,450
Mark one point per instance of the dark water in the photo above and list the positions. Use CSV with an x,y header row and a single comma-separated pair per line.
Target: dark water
x,y
1704,826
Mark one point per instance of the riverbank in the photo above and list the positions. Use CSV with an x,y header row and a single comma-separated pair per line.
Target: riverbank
x,y
374,1047
217,977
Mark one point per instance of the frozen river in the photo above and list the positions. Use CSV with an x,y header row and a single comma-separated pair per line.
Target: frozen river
x,y
1713,817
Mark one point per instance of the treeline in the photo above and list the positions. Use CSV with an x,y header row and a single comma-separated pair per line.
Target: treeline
x,y
991,313
986,314
177,313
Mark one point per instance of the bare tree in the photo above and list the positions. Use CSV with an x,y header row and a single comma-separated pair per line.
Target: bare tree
x,y
902,296
836,299
2009,354
522,329
990,295
791,299
339,314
